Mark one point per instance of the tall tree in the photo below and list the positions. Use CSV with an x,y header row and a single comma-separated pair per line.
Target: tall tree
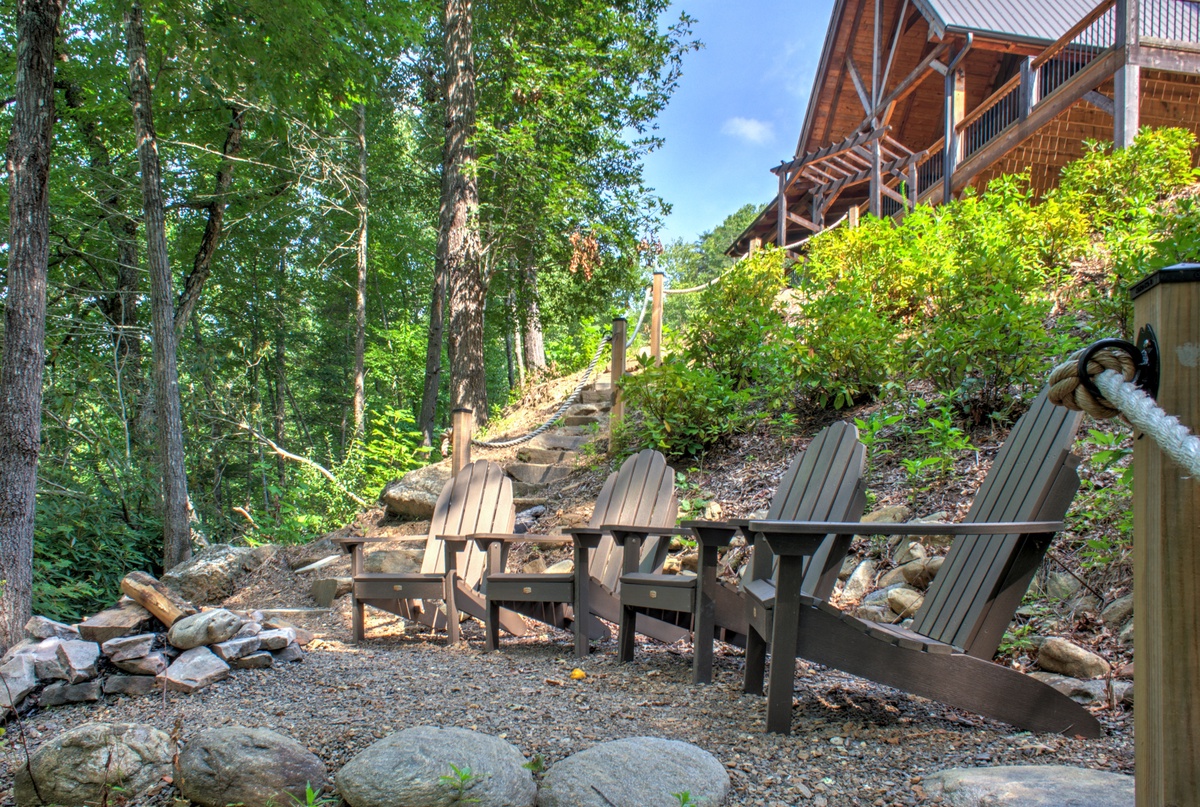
x,y
177,541
360,298
458,233
28,164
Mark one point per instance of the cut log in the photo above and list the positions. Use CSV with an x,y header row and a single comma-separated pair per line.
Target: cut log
x,y
123,619
156,598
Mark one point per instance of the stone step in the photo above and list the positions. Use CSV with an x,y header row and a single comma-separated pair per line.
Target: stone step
x,y
580,421
585,432
557,442
525,502
547,456
527,490
596,396
537,473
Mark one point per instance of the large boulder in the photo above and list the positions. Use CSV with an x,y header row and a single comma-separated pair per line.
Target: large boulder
x,y
206,627
414,494
1031,786
393,561
252,767
646,771
417,766
1060,656
84,766
214,572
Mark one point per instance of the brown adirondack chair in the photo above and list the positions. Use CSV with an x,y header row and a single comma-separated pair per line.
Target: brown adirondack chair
x,y
823,483
478,499
946,654
642,492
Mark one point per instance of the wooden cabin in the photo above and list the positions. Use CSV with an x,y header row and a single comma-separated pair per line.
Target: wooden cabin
x,y
915,100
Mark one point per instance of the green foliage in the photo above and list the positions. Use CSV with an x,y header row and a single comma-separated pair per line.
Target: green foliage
x,y
685,799
459,781
679,409
1103,513
313,798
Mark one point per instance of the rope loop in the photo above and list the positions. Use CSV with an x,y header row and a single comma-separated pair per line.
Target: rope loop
x,y
1069,389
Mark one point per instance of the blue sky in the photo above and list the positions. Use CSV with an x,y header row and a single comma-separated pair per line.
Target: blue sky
x,y
738,109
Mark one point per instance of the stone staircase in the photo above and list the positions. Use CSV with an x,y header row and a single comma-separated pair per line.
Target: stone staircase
x,y
551,456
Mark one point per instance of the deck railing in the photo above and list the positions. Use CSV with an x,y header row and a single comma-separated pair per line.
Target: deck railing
x,y
1169,22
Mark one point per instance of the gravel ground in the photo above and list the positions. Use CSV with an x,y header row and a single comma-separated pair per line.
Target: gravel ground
x,y
853,744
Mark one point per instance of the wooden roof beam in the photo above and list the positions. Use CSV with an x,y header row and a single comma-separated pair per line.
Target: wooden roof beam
x,y
859,87
836,148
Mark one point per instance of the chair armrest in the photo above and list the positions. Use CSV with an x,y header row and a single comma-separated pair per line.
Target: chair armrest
x,y
880,528
587,537
716,533
485,539
621,532
348,544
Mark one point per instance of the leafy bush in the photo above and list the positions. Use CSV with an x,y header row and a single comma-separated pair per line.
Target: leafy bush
x,y
679,409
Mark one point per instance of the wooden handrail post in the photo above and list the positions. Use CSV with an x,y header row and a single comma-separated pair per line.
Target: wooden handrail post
x,y
852,220
462,421
656,316
618,369
1166,554
1027,96
1127,79
755,245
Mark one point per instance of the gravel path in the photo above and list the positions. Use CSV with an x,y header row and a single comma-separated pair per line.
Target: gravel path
x,y
854,743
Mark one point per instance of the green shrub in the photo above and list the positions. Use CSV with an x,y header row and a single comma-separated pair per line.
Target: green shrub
x,y
679,409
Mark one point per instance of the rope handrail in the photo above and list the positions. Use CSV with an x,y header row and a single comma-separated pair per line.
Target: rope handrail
x,y
558,413
1112,371
702,286
641,318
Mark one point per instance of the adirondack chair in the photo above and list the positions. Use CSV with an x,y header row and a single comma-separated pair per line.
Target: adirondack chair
x,y
946,654
642,491
478,499
823,483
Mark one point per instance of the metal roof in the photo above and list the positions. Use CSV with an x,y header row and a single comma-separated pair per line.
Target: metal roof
x,y
1045,20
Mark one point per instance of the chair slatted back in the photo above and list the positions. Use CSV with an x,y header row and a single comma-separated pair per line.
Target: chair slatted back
x,y
479,499
824,483
640,493
983,578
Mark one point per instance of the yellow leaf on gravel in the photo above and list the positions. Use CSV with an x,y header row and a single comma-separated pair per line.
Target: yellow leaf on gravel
x,y
578,674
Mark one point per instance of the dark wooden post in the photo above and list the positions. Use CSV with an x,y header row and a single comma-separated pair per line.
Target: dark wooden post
x,y
956,99
876,196
782,210
1166,556
462,423
618,369
1027,95
656,315
1127,80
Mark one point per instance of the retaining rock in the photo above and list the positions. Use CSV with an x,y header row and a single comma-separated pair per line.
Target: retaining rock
x,y
214,572
408,768
1031,786
39,627
124,648
195,669
131,685
207,627
645,771
252,767
62,693
152,664
1060,656
414,494
20,678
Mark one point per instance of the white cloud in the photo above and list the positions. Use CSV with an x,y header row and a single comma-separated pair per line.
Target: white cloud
x,y
749,129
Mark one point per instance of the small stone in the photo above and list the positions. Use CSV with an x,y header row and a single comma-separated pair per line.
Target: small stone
x,y
635,770
1125,637
206,627
303,636
534,566
562,567
905,601
194,670
394,561
1093,691
1125,671
672,565
20,648
254,767
20,678
46,661
290,653
410,766
79,766
230,649
874,613
880,595
1118,610
77,660
909,551
920,573
255,661
892,514
893,577
151,664
1060,656
1061,586
860,581
134,685
39,627
1030,786
128,647
276,639
849,563
248,629
63,693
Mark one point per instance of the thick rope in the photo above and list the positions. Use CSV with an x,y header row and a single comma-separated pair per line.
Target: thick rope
x,y
702,286
567,404
1112,371
641,318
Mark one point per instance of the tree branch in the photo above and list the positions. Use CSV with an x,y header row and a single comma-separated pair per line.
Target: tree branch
x,y
287,455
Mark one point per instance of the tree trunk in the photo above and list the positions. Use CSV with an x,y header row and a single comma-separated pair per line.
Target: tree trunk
x,y
458,233
433,352
177,542
280,369
202,264
28,164
535,344
360,301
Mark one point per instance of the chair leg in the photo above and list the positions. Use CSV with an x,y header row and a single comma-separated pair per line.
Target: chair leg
x,y
453,628
756,663
357,618
626,635
492,627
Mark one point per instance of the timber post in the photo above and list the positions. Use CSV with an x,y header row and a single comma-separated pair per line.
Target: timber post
x,y
462,422
956,102
1166,554
656,316
1127,79
852,217
617,372
755,245
1027,96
